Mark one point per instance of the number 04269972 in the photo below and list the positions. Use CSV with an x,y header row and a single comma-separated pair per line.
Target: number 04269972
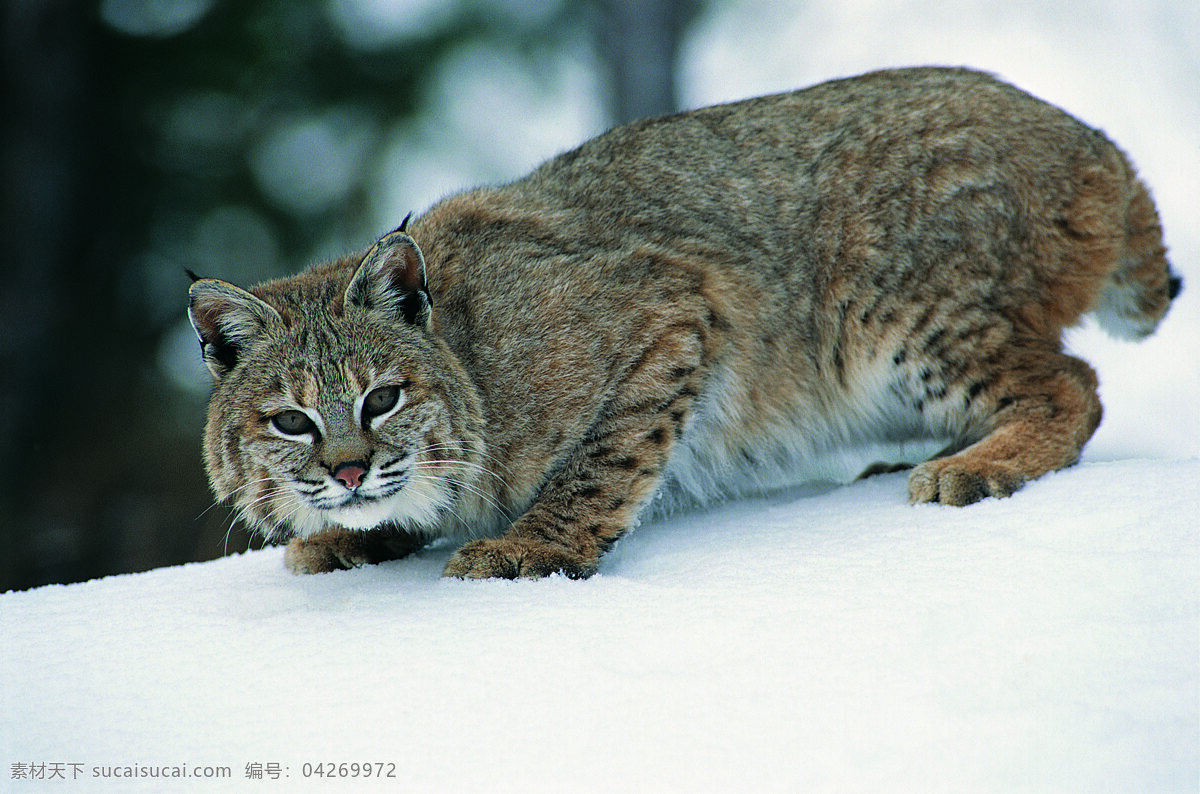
x,y
331,769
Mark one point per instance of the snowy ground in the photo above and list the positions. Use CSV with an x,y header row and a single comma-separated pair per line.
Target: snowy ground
x,y
824,639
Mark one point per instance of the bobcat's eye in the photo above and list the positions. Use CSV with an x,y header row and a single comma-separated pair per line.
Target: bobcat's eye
x,y
292,423
380,401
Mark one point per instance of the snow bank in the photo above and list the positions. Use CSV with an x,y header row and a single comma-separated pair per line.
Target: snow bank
x,y
825,638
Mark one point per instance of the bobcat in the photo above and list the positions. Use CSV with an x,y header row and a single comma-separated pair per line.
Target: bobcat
x,y
684,303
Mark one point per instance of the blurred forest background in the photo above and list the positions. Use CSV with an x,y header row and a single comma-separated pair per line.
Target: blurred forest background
x,y
242,139
245,139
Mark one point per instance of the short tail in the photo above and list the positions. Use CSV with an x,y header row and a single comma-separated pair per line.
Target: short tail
x,y
1141,289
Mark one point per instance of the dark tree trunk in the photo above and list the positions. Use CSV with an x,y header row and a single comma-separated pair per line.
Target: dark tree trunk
x,y
45,101
639,42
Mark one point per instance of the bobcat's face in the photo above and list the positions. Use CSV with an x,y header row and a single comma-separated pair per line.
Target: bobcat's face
x,y
348,441
336,416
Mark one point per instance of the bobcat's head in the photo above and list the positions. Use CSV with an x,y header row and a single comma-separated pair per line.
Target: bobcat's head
x,y
334,404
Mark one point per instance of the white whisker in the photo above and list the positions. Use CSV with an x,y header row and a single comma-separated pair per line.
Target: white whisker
x,y
459,446
485,497
240,511
458,481
232,493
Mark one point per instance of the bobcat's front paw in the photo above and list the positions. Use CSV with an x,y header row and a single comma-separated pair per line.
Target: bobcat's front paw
x,y
954,481
340,549
516,558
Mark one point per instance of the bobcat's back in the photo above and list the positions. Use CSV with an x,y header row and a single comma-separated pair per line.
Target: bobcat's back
x,y
875,178
858,253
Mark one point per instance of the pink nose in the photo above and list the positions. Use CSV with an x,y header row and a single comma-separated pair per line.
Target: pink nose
x,y
350,474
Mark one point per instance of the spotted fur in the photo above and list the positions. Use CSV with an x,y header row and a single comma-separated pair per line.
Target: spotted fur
x,y
690,305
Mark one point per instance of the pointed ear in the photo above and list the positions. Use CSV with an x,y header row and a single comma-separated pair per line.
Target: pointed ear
x,y
226,319
391,279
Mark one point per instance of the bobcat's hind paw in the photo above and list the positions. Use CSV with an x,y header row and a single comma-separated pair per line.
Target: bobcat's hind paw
x,y
516,558
952,481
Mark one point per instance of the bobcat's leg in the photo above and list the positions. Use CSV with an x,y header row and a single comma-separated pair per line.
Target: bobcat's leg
x,y
1038,411
883,467
340,549
592,500
880,467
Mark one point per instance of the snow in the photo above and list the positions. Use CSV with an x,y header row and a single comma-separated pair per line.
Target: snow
x,y
822,638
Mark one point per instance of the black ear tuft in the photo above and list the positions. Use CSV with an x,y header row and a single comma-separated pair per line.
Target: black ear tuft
x,y
192,275
403,227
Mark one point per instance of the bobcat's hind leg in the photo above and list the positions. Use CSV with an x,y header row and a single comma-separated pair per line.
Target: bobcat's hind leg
x,y
1040,409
